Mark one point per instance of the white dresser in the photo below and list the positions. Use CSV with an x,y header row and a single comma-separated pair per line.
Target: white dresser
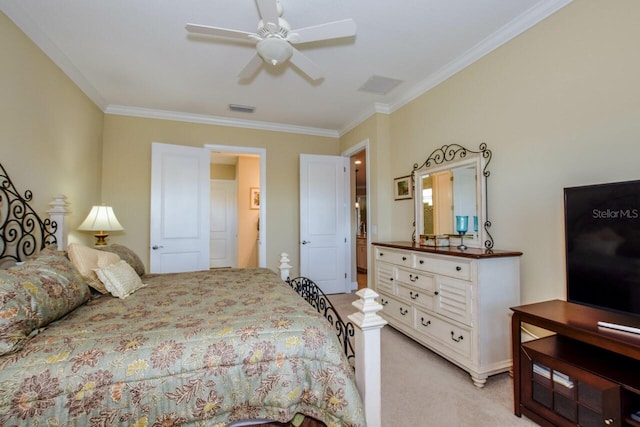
x,y
454,302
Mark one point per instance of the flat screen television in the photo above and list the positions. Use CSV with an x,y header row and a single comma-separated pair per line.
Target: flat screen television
x,y
602,235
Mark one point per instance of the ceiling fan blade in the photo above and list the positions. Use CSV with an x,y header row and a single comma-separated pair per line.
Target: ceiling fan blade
x,y
305,65
269,12
251,68
220,32
330,30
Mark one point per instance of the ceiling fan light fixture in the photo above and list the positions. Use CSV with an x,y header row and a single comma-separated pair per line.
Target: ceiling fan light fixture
x,y
274,50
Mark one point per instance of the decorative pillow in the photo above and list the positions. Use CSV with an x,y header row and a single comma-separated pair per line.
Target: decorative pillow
x,y
86,260
120,279
127,255
36,293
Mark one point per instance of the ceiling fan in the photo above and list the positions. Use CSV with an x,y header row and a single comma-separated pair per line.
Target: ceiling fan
x,y
274,39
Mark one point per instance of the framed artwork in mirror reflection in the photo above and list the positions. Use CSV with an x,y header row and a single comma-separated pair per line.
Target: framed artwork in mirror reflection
x,y
402,188
254,197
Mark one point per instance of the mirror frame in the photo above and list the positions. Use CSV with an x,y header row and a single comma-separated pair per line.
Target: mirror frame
x,y
449,157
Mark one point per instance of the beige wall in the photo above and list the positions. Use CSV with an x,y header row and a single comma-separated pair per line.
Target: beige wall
x,y
127,174
558,106
248,177
227,172
50,132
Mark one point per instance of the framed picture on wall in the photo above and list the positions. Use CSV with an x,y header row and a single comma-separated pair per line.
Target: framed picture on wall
x,y
402,188
254,198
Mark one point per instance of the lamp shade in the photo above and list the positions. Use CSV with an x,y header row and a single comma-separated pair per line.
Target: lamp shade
x,y
101,218
274,50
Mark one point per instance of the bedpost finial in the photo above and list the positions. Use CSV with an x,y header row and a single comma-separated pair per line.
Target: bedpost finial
x,y
284,266
368,307
58,204
59,210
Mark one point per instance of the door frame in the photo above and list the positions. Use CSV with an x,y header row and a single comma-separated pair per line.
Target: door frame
x,y
362,145
262,153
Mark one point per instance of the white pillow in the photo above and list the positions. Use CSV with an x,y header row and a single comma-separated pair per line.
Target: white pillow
x,y
120,279
86,260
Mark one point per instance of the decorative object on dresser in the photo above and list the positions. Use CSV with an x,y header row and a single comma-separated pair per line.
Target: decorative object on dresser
x,y
462,224
453,302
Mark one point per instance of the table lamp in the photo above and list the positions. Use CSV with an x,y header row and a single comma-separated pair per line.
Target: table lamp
x,y
101,219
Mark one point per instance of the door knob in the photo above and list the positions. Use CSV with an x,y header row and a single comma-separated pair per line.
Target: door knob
x,y
304,242
156,247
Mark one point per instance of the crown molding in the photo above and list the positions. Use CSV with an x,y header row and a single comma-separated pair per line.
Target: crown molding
x,y
122,110
377,107
513,29
526,20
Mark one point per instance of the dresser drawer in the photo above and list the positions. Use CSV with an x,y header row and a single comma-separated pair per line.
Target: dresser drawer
x,y
415,296
384,277
417,279
454,299
396,309
452,336
458,268
393,257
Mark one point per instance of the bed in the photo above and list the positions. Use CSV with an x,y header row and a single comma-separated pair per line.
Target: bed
x,y
215,348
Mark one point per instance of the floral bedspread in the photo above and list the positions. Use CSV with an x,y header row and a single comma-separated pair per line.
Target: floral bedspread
x,y
204,348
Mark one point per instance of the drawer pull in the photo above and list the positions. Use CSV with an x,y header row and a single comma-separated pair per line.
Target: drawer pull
x,y
458,268
413,278
609,421
423,322
403,311
412,295
383,302
391,278
404,258
421,261
453,337
436,293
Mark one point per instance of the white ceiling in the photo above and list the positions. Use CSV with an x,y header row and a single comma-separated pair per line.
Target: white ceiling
x,y
135,57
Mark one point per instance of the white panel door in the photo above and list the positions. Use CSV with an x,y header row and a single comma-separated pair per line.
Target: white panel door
x,y
179,209
224,224
323,221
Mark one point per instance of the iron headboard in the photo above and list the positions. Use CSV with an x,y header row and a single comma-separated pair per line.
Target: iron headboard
x,y
22,231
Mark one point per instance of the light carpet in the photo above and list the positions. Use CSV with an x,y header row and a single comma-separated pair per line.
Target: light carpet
x,y
420,388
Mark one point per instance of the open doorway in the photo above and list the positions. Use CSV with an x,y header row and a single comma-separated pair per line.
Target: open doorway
x,y
245,167
358,163
360,213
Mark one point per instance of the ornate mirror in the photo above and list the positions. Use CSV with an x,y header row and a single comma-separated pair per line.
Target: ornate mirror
x,y
451,183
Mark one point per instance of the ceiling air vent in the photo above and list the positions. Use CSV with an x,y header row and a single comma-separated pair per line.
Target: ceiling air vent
x,y
242,108
379,85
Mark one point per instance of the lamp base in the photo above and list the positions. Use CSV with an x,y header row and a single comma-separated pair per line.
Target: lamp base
x,y
101,239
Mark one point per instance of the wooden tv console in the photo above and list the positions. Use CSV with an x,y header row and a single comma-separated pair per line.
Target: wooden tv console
x,y
584,374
